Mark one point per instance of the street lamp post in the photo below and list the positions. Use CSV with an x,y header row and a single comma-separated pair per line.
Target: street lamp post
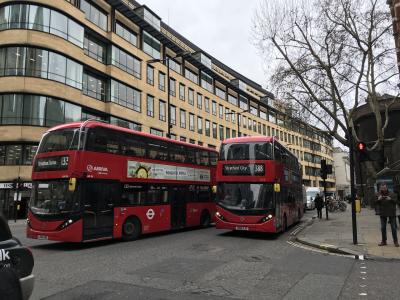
x,y
238,113
166,60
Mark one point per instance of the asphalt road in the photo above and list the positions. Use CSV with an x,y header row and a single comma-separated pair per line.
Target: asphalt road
x,y
204,264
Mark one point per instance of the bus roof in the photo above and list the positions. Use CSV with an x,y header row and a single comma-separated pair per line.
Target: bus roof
x,y
92,124
249,139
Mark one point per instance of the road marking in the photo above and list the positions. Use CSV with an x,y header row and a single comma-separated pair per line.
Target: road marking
x,y
362,294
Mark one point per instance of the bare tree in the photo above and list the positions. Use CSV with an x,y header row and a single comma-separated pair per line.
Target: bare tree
x,y
328,56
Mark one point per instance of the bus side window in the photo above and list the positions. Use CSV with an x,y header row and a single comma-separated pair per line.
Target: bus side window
x,y
132,145
177,153
103,140
156,195
204,161
277,153
203,193
190,156
133,195
157,150
213,158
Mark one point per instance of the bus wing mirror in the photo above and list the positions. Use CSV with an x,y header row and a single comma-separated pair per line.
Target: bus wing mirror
x,y
72,184
277,187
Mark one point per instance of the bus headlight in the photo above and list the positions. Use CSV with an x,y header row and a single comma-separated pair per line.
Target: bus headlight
x,y
219,216
266,218
66,224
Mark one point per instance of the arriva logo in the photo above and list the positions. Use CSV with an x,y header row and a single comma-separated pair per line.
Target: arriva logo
x,y
4,255
91,168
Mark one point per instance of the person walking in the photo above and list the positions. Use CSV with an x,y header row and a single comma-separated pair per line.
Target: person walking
x,y
386,203
319,203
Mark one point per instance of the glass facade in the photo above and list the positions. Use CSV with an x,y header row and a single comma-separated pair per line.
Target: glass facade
x,y
95,49
151,45
206,82
125,95
162,111
126,33
126,62
150,106
36,110
94,86
191,76
34,17
35,62
17,154
161,81
150,75
94,14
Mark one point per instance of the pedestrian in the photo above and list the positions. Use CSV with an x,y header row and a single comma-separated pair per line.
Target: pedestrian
x,y
319,203
386,201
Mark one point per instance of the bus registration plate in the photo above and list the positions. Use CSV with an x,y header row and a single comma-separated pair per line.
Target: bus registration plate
x,y
242,228
42,237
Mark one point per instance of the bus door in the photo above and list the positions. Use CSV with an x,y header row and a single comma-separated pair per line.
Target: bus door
x,y
99,198
278,209
178,207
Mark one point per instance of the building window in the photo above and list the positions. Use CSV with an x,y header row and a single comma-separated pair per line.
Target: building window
x,y
214,130
207,104
233,116
95,49
156,131
151,45
150,75
161,81
182,139
220,93
182,92
126,124
126,33
25,16
172,115
126,62
34,62
207,128
162,111
192,141
94,86
191,76
221,132
150,106
243,102
125,95
227,114
206,82
250,123
254,126
19,154
199,125
183,118
199,101
264,129
200,143
172,87
233,133
191,122
173,65
233,100
227,132
191,96
214,108
221,111
94,15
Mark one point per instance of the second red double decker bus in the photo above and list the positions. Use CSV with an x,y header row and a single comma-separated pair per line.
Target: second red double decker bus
x,y
259,185
94,181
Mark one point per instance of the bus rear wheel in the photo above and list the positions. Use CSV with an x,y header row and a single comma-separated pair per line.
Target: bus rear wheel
x,y
131,229
205,219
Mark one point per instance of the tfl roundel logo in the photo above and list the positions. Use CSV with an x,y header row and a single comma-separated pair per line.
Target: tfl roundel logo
x,y
89,168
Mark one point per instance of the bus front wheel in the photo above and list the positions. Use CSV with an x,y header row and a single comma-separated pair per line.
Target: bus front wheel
x,y
205,219
131,229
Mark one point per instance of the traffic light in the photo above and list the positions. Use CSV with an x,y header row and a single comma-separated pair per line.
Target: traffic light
x,y
361,149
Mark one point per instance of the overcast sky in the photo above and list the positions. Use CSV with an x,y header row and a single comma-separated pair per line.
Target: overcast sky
x,y
222,28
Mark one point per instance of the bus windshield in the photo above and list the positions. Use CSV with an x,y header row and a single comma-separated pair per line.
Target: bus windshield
x,y
246,196
53,198
246,151
59,140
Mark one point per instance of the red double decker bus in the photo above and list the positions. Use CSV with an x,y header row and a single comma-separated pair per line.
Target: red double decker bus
x,y
259,185
94,181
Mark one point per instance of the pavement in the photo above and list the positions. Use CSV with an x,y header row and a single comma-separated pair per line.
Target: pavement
x,y
336,235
